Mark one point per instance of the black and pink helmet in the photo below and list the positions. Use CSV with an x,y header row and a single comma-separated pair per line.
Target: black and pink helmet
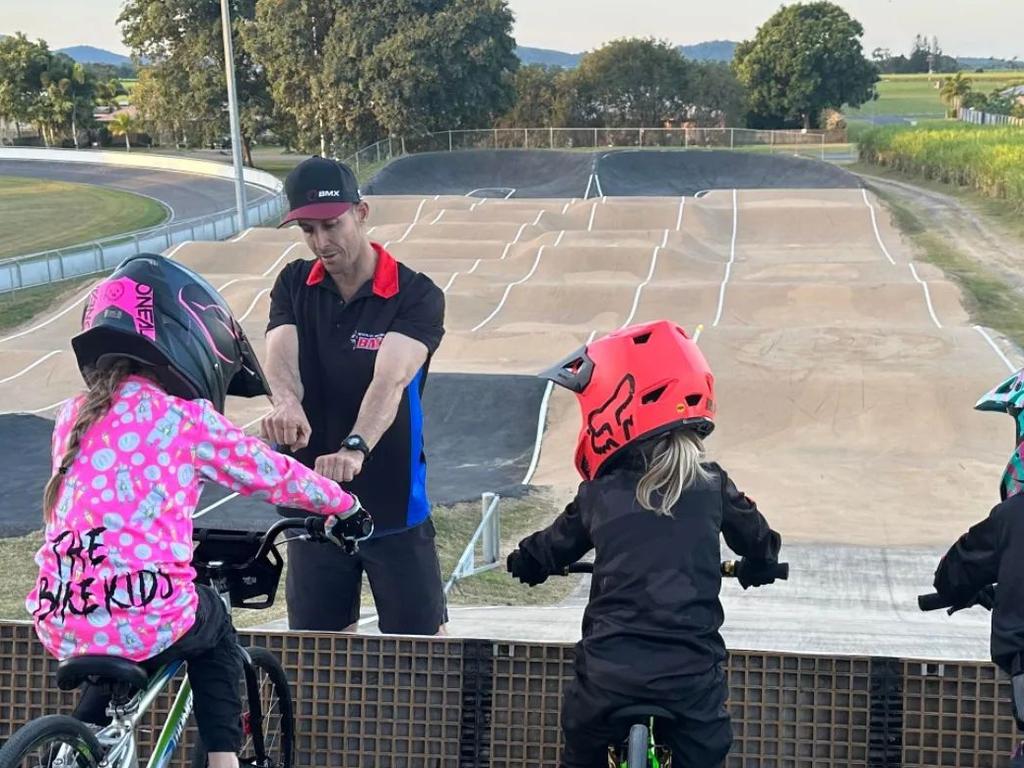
x,y
162,314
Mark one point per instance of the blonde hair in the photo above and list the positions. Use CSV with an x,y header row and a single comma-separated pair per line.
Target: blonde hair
x,y
103,385
673,466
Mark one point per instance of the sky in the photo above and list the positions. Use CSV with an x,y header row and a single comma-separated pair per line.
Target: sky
x,y
964,27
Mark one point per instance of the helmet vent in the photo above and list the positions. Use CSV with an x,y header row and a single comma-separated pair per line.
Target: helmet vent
x,y
573,366
693,400
653,395
643,338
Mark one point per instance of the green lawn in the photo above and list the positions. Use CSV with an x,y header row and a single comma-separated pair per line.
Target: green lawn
x,y
37,215
917,96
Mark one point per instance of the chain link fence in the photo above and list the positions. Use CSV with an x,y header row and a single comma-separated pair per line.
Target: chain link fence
x,y
369,159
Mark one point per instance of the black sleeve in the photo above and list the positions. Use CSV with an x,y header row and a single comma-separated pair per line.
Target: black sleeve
x,y
563,542
746,531
421,315
973,561
282,302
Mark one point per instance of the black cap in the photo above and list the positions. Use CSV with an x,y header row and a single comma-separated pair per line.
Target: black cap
x,y
319,188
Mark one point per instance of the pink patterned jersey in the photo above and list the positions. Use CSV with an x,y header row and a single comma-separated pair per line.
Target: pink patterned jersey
x,y
115,570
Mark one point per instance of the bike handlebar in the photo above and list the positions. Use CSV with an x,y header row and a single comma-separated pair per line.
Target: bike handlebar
x,y
728,569
349,530
933,602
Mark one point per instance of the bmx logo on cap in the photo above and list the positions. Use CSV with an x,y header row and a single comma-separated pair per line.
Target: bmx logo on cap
x,y
320,189
315,196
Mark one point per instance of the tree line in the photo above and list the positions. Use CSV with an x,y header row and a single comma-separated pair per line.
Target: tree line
x,y
328,76
51,92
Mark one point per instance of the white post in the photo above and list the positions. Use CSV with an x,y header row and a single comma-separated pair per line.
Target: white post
x,y
491,536
732,138
236,133
526,138
449,141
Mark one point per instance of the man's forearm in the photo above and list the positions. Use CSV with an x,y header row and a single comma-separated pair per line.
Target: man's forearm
x,y
282,366
378,410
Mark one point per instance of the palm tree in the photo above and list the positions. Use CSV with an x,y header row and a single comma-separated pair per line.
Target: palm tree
x,y
108,93
124,124
954,90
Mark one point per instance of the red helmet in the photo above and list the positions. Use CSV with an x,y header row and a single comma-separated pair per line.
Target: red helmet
x,y
633,384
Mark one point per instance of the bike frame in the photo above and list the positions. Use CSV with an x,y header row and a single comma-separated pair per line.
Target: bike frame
x,y
118,738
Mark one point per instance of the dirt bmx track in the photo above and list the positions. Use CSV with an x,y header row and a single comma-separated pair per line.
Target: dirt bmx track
x,y
846,371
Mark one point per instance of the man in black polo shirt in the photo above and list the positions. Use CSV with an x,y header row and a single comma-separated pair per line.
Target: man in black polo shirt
x,y
349,342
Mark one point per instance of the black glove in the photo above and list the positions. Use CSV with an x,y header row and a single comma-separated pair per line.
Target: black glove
x,y
985,597
754,574
526,568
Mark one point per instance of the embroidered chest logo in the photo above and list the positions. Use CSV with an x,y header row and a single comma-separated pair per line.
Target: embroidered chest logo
x,y
367,341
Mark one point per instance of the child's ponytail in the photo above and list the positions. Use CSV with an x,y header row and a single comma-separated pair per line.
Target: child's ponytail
x,y
673,467
98,399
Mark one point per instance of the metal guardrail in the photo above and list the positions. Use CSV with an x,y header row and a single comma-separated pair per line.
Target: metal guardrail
x,y
488,536
98,256
799,141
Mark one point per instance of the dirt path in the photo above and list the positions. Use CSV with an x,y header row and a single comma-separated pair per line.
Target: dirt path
x,y
961,227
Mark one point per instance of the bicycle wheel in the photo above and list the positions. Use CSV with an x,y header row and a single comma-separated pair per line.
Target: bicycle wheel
x,y
268,726
53,740
636,751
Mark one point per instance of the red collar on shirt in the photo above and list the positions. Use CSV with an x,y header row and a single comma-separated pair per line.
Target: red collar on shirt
x,y
385,276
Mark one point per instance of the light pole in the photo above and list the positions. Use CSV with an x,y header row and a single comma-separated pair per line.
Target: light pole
x,y
236,134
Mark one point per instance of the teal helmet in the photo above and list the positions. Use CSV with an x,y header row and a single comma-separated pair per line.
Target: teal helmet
x,y
1008,397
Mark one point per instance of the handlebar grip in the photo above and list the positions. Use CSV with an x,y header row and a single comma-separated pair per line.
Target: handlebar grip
x,y
778,571
933,602
355,527
580,567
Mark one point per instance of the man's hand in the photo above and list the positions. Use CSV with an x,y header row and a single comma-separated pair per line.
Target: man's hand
x,y
287,425
341,466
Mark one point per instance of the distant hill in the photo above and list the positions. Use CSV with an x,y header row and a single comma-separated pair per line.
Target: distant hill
x,y
713,50
547,57
88,54
972,62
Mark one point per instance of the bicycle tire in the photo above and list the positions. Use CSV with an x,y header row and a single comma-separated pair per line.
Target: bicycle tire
x,y
280,746
636,749
57,728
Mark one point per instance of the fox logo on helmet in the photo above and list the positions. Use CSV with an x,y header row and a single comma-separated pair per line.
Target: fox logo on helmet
x,y
609,426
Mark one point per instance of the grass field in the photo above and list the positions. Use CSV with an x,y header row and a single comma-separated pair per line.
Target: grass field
x,y
917,96
30,208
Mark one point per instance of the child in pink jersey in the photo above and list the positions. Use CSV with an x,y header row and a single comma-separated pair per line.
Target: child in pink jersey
x,y
130,457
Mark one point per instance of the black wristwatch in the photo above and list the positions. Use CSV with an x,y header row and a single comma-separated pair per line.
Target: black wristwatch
x,y
356,443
